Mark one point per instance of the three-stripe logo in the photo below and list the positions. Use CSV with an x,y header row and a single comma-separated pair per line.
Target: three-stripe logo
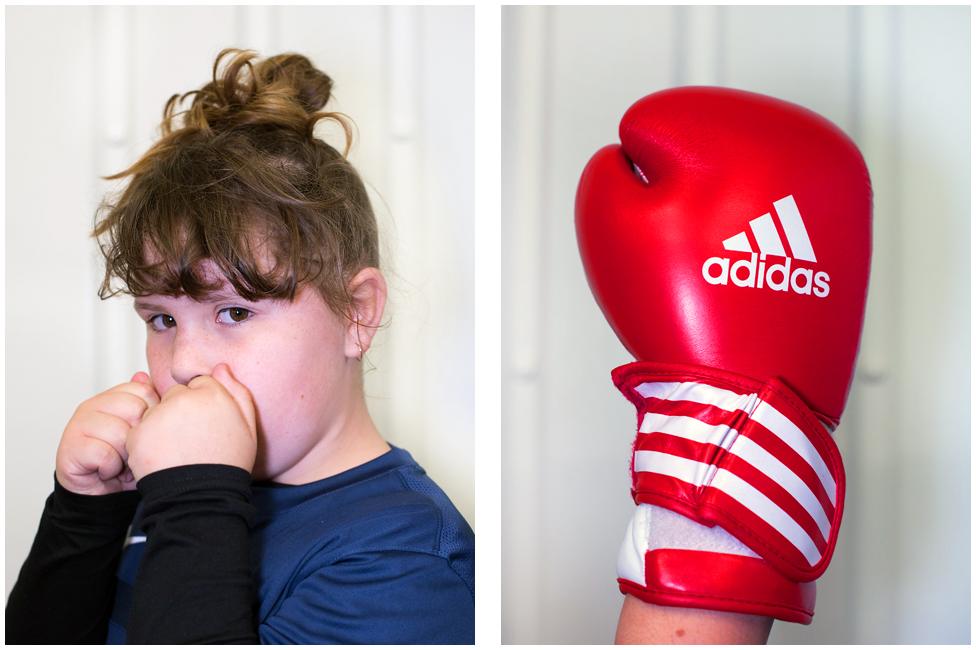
x,y
764,230
754,273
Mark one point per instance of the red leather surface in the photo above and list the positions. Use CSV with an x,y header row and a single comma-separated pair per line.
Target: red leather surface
x,y
724,582
715,159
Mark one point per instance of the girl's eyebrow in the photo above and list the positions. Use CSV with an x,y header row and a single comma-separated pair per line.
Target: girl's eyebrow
x,y
140,304
223,294
217,296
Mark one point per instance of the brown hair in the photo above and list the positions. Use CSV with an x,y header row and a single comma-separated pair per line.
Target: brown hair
x,y
243,176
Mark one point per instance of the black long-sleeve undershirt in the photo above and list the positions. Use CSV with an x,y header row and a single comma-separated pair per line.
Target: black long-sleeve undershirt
x,y
66,586
194,585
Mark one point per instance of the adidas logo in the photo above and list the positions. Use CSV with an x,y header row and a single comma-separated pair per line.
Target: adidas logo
x,y
754,272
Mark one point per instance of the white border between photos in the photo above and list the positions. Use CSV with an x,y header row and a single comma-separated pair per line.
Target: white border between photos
x,y
487,307
3,280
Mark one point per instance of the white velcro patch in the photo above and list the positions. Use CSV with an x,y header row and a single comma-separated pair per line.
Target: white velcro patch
x,y
652,527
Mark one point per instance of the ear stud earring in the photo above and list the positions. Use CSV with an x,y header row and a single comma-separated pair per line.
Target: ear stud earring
x,y
358,342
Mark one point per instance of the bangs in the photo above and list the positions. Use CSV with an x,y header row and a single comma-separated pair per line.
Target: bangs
x,y
257,218
166,254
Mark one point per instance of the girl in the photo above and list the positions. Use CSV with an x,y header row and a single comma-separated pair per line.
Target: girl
x,y
264,504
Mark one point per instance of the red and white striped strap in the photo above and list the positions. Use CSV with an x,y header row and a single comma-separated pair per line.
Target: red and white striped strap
x,y
750,456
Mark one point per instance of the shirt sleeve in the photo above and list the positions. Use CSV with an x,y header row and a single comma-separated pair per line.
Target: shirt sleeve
x,y
378,597
65,589
194,583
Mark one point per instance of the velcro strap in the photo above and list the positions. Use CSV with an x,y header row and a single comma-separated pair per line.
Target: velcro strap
x,y
749,456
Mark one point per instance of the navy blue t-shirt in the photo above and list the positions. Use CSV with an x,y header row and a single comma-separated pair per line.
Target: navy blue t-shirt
x,y
376,554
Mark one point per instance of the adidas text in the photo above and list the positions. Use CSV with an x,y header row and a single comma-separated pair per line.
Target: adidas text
x,y
755,273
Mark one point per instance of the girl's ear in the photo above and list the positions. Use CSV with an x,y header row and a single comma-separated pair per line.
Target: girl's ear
x,y
368,291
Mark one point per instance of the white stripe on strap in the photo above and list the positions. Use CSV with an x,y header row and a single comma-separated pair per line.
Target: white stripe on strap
x,y
765,462
731,485
695,392
689,428
684,469
781,426
724,436
758,410
765,509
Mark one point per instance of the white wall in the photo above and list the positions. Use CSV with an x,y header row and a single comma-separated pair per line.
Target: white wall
x,y
897,79
85,91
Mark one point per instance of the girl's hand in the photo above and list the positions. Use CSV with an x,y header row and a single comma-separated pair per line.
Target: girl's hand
x,y
92,454
210,420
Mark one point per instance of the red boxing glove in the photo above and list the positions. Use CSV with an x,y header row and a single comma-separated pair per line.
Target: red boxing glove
x,y
727,241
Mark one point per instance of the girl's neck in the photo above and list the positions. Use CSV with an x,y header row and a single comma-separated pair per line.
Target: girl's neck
x,y
352,441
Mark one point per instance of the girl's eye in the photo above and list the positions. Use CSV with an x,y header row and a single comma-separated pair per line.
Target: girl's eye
x,y
237,315
152,320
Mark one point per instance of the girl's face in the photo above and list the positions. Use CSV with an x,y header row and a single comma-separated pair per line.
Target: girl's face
x,y
298,359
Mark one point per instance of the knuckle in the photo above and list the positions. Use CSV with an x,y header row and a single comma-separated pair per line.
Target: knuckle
x,y
89,405
108,455
137,406
77,424
148,393
119,428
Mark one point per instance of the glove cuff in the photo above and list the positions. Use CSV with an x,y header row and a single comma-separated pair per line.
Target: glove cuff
x,y
721,581
747,455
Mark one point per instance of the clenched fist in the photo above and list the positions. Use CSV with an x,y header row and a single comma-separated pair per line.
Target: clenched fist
x,y
92,455
210,420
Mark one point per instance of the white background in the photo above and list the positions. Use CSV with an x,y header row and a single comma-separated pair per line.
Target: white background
x,y
897,79
85,89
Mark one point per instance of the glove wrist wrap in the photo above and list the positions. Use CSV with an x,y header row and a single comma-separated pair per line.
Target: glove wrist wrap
x,y
721,581
749,456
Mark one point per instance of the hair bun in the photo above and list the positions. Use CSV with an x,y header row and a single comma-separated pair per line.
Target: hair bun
x,y
285,90
295,73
